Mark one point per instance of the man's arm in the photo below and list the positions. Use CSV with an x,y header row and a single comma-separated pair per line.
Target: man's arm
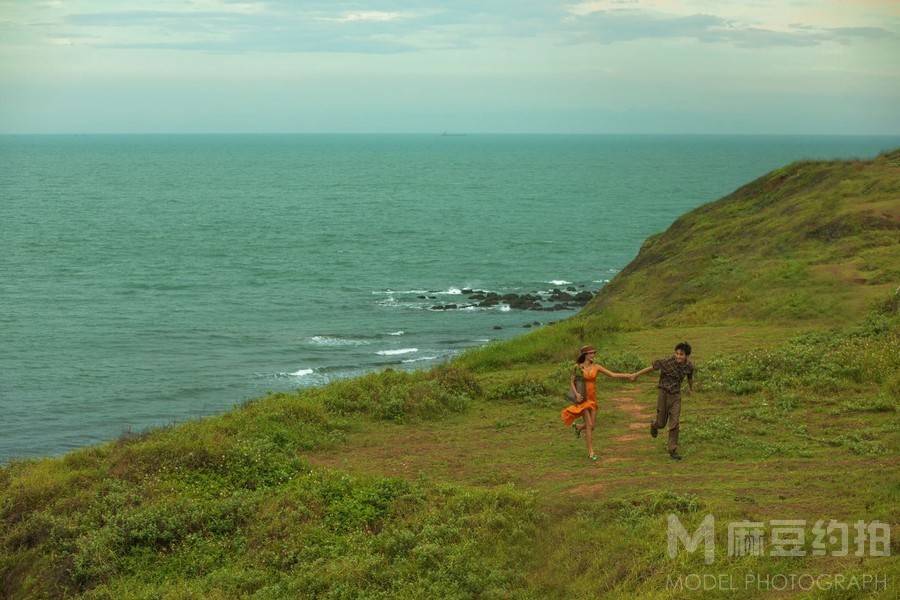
x,y
635,375
643,371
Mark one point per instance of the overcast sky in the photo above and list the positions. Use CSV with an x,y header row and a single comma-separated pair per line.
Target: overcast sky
x,y
595,66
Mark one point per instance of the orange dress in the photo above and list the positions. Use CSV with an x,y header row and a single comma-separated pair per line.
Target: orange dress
x,y
570,413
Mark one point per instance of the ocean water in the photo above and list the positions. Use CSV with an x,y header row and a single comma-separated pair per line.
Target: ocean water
x,y
151,279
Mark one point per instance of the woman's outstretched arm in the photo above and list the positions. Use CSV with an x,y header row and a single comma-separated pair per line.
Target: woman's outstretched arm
x,y
609,373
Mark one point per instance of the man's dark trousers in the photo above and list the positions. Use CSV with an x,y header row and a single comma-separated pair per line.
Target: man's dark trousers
x,y
668,410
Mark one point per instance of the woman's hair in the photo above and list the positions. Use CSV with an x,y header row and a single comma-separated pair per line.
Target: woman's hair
x,y
583,352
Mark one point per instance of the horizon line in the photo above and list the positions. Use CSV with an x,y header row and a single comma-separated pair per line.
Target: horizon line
x,y
449,133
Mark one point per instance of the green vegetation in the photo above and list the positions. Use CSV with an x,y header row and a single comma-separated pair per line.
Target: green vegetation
x,y
811,242
461,482
398,396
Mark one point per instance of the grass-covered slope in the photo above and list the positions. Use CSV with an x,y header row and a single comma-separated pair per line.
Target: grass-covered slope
x,y
810,241
462,483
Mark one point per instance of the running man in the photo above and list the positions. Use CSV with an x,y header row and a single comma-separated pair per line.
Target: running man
x,y
672,371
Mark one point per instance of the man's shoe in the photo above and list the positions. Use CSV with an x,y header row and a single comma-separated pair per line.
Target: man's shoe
x,y
653,430
674,456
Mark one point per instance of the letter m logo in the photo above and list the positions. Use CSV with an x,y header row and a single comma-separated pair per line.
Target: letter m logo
x,y
705,533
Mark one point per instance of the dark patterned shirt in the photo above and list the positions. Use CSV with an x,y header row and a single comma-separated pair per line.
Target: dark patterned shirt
x,y
672,373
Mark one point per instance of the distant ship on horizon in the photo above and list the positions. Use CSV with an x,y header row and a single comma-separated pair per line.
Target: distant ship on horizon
x,y
445,134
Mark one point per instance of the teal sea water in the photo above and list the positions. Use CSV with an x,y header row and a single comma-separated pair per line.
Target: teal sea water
x,y
152,279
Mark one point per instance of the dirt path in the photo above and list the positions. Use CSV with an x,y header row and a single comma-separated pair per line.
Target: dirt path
x,y
505,443
640,418
620,450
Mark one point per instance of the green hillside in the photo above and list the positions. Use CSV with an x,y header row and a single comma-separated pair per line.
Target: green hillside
x,y
462,482
813,241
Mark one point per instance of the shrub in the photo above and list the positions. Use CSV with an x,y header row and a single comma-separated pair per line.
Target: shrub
x,y
788,402
528,389
457,380
880,403
714,428
891,305
643,506
858,444
622,361
394,395
823,363
891,387
323,534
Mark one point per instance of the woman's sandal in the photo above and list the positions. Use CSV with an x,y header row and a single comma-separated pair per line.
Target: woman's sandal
x,y
594,457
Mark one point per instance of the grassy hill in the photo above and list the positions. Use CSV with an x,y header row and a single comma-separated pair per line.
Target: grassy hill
x,y
813,241
462,483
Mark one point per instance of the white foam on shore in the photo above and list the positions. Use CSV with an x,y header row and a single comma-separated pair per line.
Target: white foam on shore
x,y
401,332
392,302
451,292
473,308
327,340
412,360
559,282
396,352
401,292
298,374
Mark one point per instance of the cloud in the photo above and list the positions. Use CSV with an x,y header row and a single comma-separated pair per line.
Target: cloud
x,y
392,26
591,6
131,18
621,25
244,31
377,16
874,33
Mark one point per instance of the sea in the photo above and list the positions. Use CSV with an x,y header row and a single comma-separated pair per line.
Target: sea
x,y
151,279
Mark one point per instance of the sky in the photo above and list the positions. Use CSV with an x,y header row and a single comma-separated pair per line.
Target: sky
x,y
503,66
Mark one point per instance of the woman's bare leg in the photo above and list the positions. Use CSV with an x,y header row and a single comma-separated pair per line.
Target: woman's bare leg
x,y
589,430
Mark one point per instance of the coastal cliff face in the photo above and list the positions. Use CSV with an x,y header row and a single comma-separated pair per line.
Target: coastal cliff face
x,y
813,241
459,482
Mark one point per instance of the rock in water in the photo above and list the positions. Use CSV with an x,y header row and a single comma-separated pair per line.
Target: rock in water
x,y
583,297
